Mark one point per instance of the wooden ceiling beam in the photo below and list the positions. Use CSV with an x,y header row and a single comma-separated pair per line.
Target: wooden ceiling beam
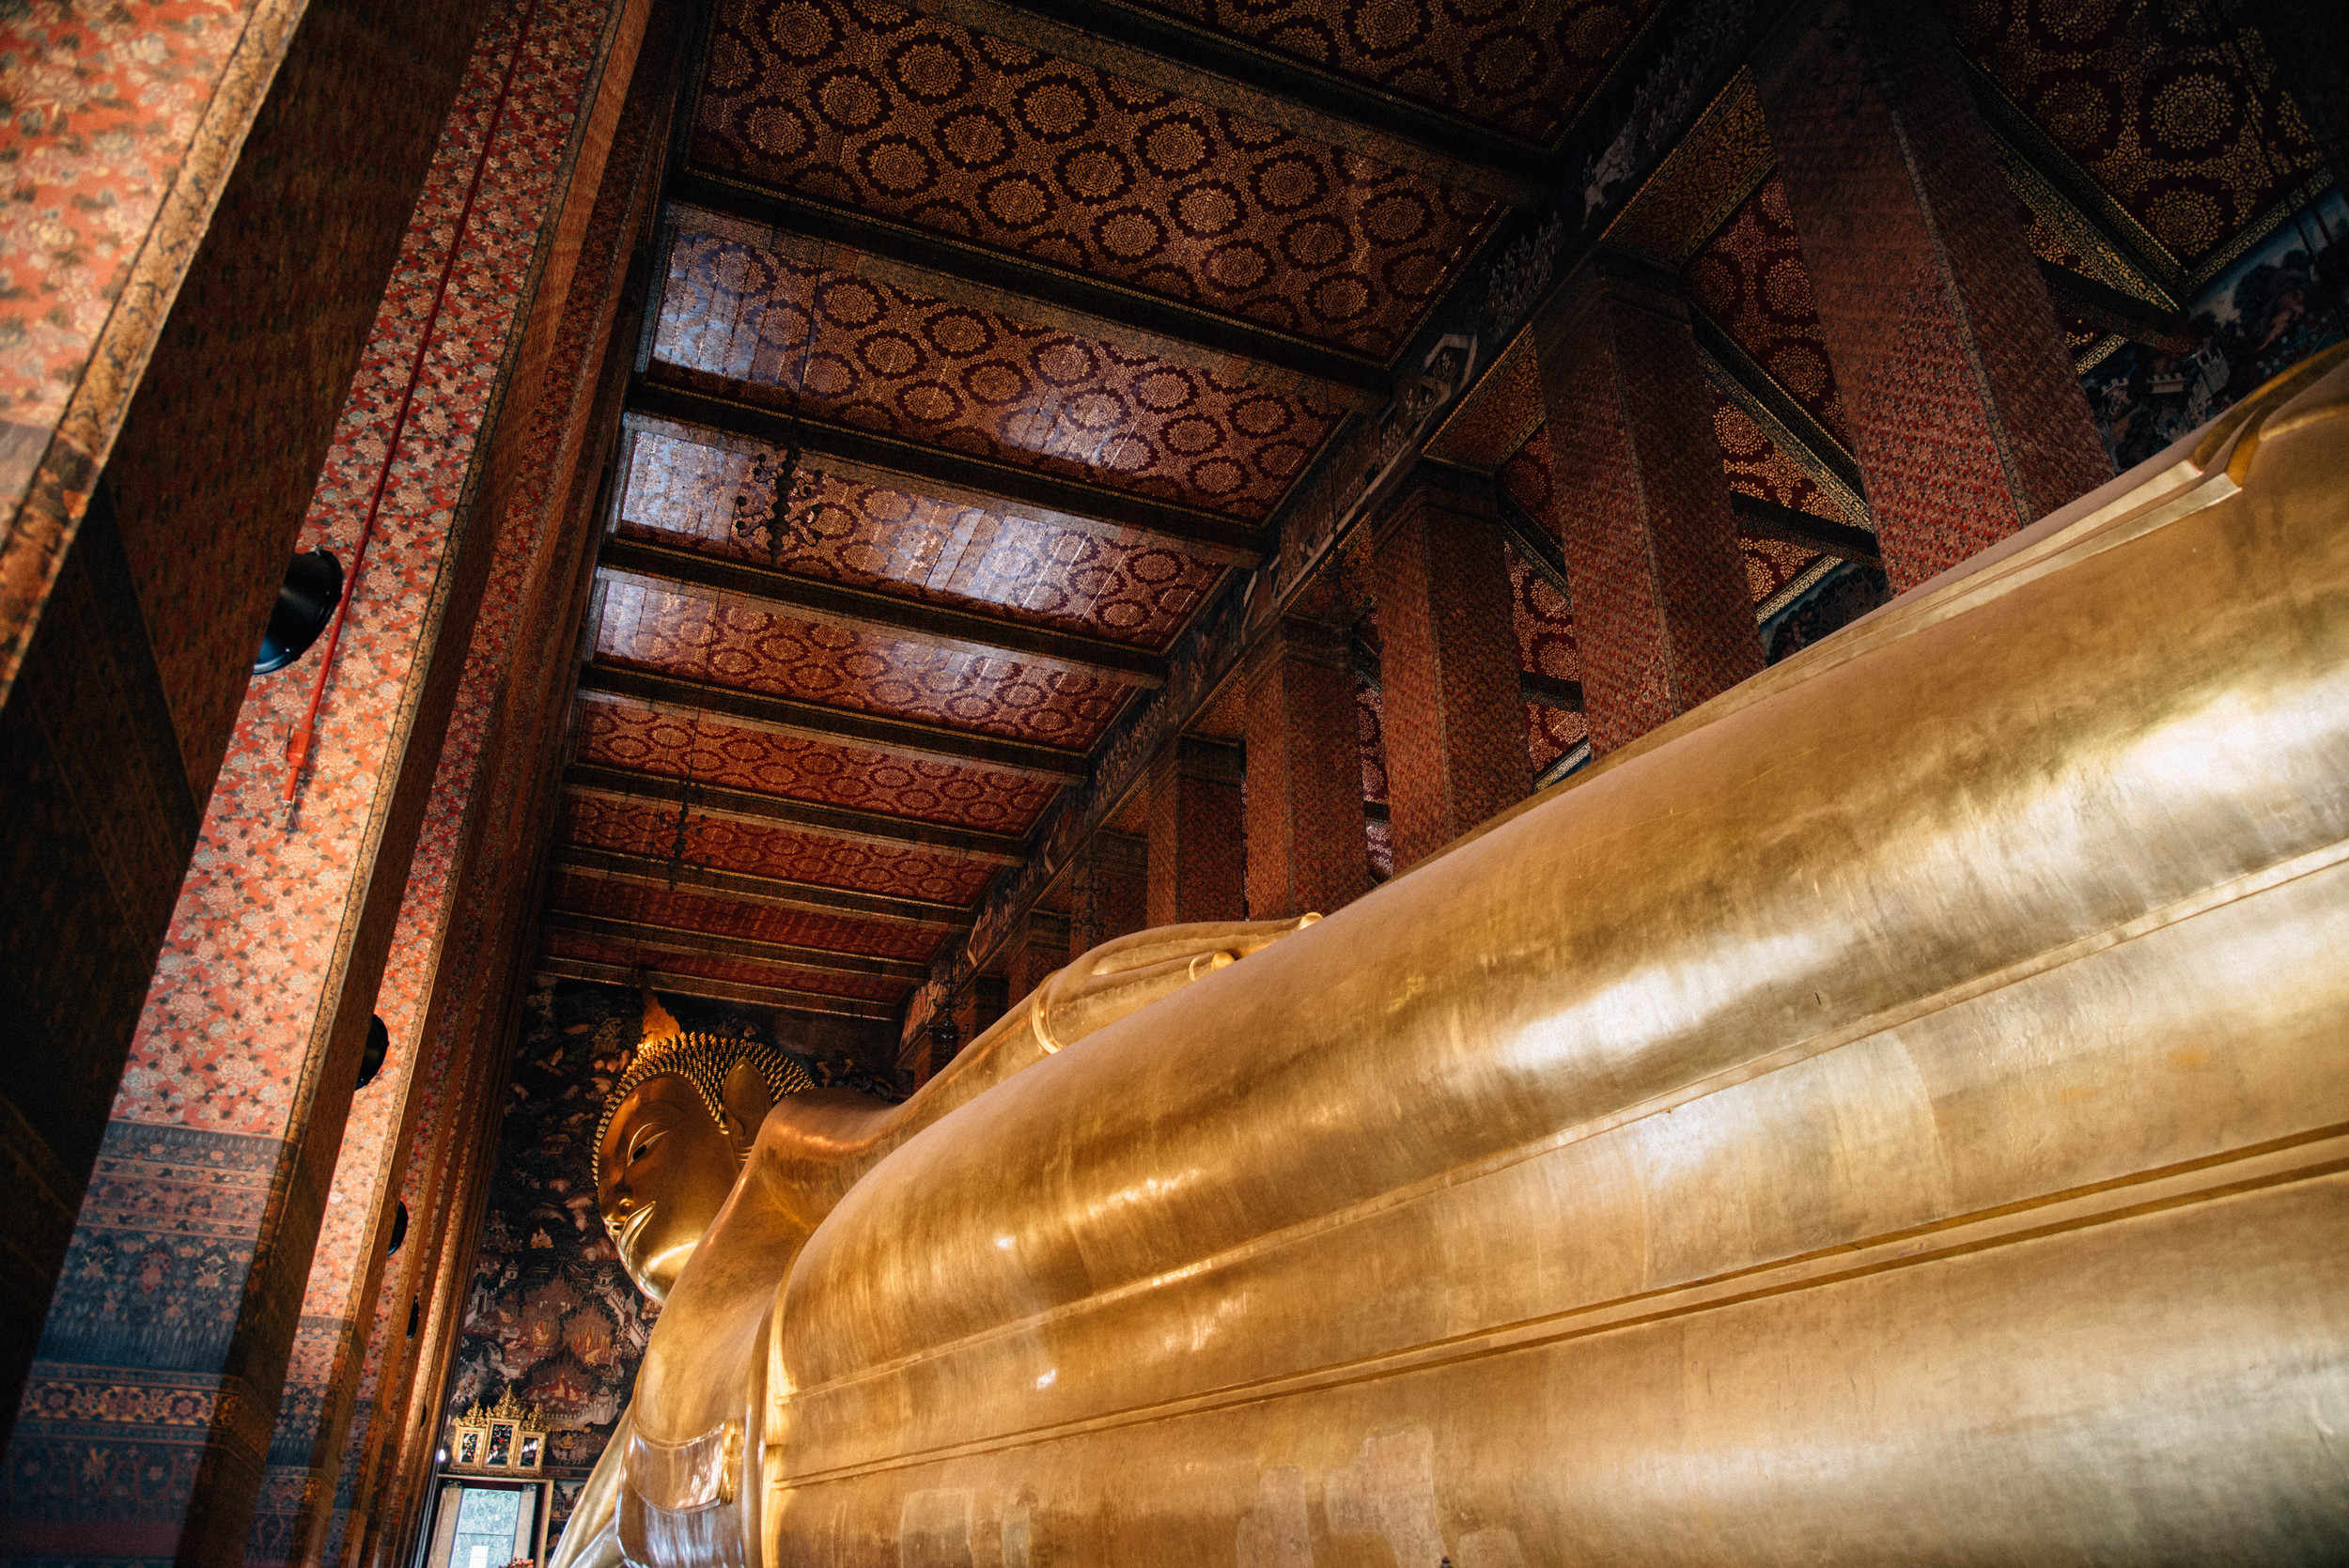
x,y
1174,55
743,805
667,939
552,968
835,604
814,721
925,261
951,476
1773,522
2108,310
771,892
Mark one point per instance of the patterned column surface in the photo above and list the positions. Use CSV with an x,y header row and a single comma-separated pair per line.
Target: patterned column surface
x,y
125,121
1966,413
1450,713
1039,947
1197,854
1308,843
528,585
185,1278
1662,616
128,693
1113,895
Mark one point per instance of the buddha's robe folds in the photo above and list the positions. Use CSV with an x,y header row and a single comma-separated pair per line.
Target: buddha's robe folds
x,y
1898,1111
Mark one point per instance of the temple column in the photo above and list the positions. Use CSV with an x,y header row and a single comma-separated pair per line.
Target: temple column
x,y
1308,843
127,639
1965,410
1037,947
489,767
1453,722
1113,898
165,1349
1661,611
1197,851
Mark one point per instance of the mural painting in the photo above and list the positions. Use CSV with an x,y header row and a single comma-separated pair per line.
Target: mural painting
x,y
2280,303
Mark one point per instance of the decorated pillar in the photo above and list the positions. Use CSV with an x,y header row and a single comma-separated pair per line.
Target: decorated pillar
x,y
1965,410
1197,853
544,535
1037,947
1661,611
165,1350
1451,714
1112,893
1308,841
128,630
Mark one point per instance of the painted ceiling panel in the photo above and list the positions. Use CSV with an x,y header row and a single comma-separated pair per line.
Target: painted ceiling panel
x,y
1520,66
1749,278
687,911
618,734
922,369
642,827
1758,466
714,966
2154,102
1105,582
701,636
1545,626
872,106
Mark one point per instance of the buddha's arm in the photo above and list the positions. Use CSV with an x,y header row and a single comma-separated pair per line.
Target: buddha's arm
x,y
591,1537
814,1147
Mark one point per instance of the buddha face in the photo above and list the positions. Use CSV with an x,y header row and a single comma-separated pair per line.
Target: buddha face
x,y
666,1168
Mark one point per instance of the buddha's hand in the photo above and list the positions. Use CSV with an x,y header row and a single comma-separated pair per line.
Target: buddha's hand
x,y
1131,972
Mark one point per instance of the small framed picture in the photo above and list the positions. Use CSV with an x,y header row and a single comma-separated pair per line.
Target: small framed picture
x,y
469,1448
529,1460
501,1444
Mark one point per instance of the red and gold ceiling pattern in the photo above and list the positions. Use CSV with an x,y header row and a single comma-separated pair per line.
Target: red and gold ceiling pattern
x,y
2173,109
618,734
1749,278
1758,466
789,854
926,369
699,636
873,107
1521,66
713,966
1108,583
687,910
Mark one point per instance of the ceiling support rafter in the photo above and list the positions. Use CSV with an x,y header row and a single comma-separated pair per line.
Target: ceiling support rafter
x,y
2108,310
1543,691
924,261
835,604
952,476
1784,523
668,939
743,805
804,721
551,968
771,892
1174,55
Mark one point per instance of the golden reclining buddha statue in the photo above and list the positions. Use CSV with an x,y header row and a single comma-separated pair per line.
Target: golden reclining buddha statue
x,y
1898,1111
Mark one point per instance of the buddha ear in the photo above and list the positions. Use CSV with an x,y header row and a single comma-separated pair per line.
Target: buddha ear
x,y
747,1101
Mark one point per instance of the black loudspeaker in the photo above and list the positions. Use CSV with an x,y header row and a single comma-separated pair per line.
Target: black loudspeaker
x,y
305,602
378,1047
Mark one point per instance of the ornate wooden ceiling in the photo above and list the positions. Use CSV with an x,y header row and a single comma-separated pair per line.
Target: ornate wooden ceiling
x,y
1057,304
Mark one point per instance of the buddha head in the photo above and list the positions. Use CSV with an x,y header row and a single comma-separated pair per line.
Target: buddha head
x,y
675,1132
